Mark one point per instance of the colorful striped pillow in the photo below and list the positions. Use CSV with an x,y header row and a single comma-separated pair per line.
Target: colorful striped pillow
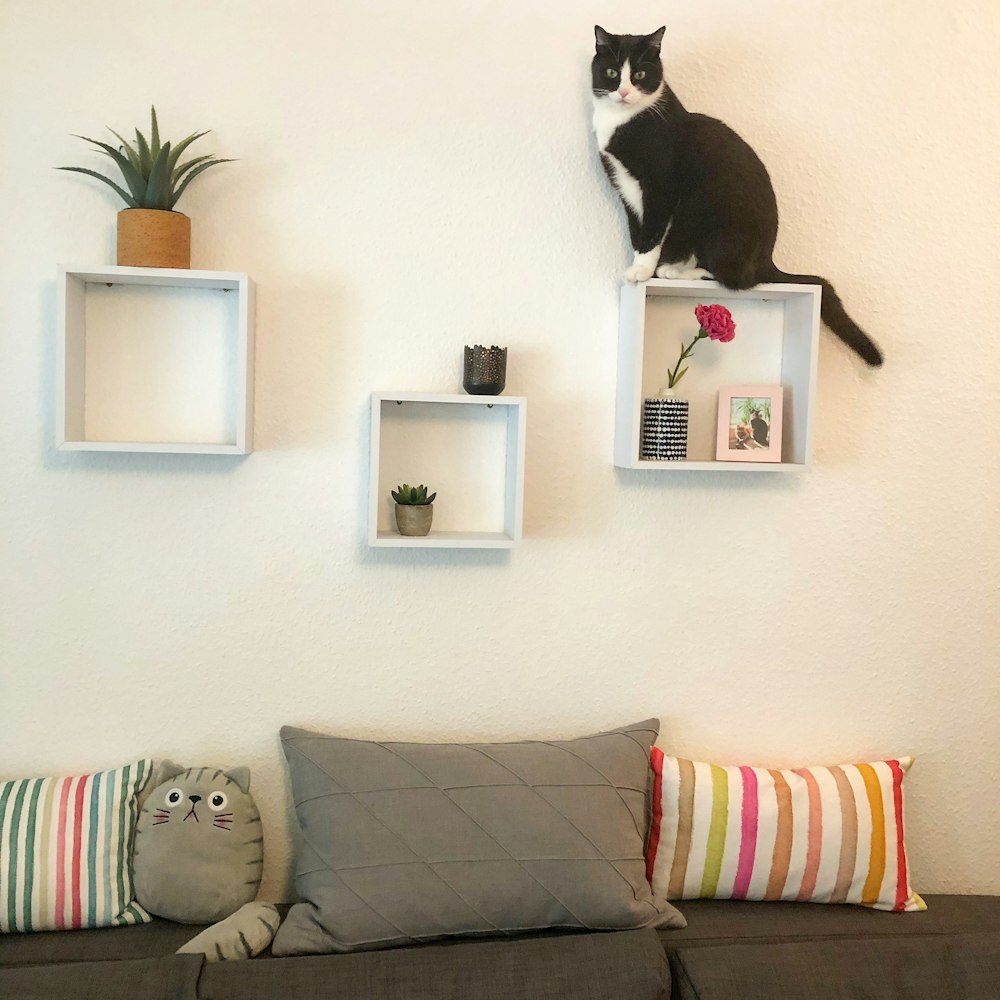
x,y
813,834
65,850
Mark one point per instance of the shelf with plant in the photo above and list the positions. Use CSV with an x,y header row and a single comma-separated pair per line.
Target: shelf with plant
x,y
470,447
151,232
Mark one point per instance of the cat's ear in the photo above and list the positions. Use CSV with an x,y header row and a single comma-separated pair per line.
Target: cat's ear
x,y
165,770
656,38
603,38
240,775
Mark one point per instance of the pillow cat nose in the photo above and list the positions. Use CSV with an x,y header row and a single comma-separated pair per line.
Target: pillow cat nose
x,y
194,798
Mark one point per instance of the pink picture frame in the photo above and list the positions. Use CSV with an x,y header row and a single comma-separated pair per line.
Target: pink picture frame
x,y
750,420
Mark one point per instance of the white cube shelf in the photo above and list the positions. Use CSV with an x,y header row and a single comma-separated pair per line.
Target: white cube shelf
x,y
154,360
469,449
777,341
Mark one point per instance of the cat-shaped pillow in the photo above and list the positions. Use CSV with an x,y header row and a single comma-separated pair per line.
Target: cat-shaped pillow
x,y
198,858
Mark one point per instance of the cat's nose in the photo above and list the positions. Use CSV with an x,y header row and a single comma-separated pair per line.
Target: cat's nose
x,y
623,92
194,798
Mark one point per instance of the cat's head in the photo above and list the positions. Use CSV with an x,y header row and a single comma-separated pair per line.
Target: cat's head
x,y
626,69
198,852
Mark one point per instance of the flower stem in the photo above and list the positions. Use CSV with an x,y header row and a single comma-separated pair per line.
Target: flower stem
x,y
672,377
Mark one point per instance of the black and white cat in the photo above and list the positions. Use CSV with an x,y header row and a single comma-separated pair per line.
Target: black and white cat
x,y
699,202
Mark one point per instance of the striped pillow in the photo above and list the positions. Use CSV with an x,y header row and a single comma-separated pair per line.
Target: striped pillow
x,y
65,850
813,834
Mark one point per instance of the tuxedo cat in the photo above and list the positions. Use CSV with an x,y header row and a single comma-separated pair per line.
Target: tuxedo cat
x,y
699,202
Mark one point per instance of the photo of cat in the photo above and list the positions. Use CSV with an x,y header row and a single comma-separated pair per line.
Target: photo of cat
x,y
749,428
698,200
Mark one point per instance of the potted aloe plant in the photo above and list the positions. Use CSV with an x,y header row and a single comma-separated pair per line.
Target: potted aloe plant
x,y
151,232
414,509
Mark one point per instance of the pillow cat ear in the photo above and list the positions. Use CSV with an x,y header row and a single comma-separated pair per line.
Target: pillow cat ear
x,y
165,770
603,37
241,775
656,38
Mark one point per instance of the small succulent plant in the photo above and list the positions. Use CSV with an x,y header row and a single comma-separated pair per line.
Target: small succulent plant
x,y
412,496
150,169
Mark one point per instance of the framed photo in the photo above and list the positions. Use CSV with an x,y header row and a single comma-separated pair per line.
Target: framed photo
x,y
749,423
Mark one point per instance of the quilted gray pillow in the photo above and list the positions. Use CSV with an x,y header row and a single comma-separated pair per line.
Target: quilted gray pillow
x,y
406,842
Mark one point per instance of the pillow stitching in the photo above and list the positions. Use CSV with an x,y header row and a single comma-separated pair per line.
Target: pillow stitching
x,y
638,832
517,861
320,855
418,860
571,823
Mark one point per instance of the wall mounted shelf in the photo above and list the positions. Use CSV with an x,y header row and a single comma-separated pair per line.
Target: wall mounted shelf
x,y
470,449
154,360
777,342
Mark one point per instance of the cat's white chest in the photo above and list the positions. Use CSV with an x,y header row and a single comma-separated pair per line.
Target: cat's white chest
x,y
607,119
628,186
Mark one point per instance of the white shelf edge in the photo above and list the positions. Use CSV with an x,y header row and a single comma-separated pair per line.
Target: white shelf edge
x,y
173,276
781,290
444,540
155,446
447,397
715,466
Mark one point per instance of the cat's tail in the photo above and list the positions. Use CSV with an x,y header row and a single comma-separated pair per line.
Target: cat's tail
x,y
834,315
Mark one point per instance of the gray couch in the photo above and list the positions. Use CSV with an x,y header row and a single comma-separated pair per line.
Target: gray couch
x,y
749,951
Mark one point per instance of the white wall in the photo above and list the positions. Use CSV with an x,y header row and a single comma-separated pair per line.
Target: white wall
x,y
415,177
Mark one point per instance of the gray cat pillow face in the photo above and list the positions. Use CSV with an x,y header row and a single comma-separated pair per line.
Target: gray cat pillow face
x,y
199,849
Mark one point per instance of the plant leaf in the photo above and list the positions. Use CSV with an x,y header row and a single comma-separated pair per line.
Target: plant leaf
x,y
127,198
158,190
191,176
430,499
136,182
129,150
145,157
182,145
154,134
179,172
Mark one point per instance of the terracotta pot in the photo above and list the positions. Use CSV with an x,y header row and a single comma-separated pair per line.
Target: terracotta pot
x,y
148,237
414,519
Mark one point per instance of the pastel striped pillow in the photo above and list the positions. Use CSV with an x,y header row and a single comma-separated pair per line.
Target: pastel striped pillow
x,y
813,834
65,850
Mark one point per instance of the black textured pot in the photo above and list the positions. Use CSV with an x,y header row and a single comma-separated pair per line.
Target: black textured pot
x,y
485,370
664,429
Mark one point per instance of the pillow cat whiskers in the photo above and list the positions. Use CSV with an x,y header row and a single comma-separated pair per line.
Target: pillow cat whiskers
x,y
699,201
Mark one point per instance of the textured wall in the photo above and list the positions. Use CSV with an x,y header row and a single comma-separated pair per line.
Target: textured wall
x,y
415,177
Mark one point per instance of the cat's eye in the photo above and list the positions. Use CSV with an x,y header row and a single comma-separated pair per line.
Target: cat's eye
x,y
217,801
611,74
639,75
174,798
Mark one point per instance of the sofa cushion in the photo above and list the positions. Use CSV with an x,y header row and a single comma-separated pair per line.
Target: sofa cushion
x,y
715,922
962,965
401,843
171,978
66,845
812,834
628,965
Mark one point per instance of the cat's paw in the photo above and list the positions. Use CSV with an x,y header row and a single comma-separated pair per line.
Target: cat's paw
x,y
667,271
638,272
680,272
245,933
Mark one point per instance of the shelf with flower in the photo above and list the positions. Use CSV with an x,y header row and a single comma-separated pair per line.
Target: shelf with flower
x,y
664,429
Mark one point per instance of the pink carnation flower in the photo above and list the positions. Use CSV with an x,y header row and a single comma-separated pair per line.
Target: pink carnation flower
x,y
716,321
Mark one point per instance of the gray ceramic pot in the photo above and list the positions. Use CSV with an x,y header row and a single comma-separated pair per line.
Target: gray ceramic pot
x,y
414,519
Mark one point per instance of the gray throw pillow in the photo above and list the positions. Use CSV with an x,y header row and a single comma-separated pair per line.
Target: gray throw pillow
x,y
406,842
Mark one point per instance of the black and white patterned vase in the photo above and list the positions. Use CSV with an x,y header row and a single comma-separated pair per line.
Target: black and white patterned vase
x,y
664,433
